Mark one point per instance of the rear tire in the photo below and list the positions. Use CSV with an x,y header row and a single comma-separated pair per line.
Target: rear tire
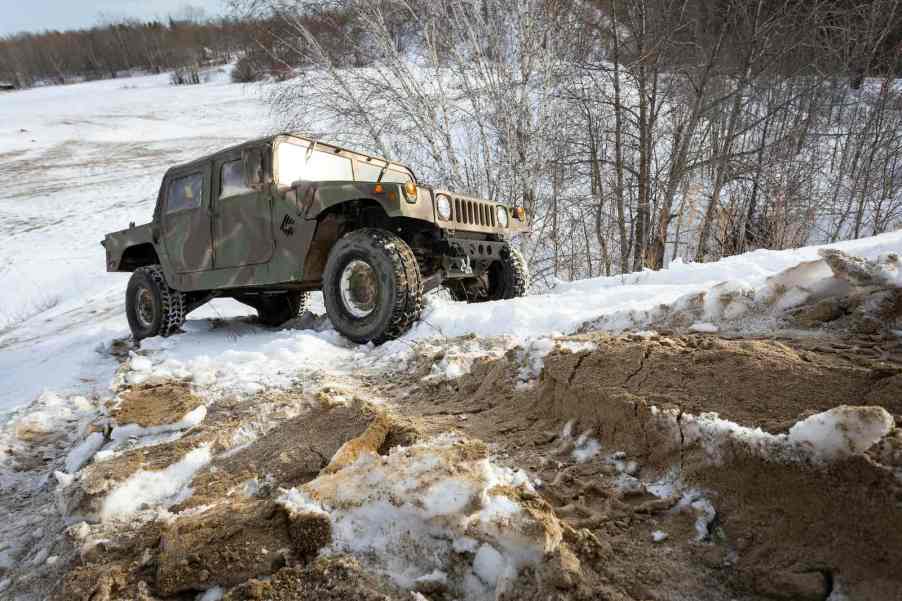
x,y
372,287
505,278
275,310
151,306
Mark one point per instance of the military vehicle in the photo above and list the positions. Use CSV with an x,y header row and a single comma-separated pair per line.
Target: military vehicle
x,y
270,220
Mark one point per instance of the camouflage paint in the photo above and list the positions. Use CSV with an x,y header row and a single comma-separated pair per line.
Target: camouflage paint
x,y
264,238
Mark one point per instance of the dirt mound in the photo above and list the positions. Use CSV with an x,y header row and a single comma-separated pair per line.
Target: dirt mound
x,y
293,452
149,406
233,542
328,579
714,506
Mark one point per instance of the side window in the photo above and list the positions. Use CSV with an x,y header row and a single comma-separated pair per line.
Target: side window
x,y
185,193
232,182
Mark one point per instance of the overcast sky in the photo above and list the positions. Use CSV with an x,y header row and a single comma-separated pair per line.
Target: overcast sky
x,y
37,15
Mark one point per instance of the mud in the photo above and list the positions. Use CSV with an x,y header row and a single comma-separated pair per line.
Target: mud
x,y
149,406
233,542
782,530
651,514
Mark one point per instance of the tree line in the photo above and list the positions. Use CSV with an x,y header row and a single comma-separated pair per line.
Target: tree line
x,y
120,48
635,132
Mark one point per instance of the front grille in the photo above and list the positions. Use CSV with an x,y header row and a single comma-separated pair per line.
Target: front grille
x,y
471,212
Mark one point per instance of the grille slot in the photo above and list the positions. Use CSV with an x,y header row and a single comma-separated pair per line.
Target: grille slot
x,y
474,213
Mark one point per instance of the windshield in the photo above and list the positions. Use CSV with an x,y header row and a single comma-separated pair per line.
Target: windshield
x,y
296,161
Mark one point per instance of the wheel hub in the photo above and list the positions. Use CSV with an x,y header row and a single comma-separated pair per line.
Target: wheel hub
x,y
359,288
144,306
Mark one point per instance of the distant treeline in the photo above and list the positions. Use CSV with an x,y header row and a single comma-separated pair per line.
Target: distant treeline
x,y
115,49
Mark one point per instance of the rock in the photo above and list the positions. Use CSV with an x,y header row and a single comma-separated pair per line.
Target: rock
x,y
792,585
823,311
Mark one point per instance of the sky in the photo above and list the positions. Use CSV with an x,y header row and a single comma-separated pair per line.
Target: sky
x,y
37,15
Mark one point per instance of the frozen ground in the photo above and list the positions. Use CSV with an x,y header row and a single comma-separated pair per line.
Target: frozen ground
x,y
82,160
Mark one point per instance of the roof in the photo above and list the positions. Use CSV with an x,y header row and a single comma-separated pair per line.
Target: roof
x,y
268,140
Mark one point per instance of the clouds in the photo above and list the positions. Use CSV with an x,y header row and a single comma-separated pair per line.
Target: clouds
x,y
37,15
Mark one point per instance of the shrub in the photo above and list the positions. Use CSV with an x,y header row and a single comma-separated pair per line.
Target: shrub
x,y
185,76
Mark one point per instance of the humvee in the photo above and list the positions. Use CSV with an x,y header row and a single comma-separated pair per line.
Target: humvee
x,y
270,220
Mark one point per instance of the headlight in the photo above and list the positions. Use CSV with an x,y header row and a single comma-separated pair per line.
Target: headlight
x,y
503,218
443,207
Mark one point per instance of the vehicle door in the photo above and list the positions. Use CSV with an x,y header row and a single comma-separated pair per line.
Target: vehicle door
x,y
186,220
242,215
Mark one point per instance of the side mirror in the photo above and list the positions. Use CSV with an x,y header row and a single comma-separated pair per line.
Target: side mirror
x,y
252,160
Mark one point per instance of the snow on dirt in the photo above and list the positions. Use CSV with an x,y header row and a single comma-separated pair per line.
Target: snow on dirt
x,y
439,510
83,160
86,159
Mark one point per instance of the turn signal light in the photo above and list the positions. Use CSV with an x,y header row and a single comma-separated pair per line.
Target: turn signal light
x,y
410,189
378,189
520,213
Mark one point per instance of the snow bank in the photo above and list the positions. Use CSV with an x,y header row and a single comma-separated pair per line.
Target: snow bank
x,y
148,489
439,509
820,438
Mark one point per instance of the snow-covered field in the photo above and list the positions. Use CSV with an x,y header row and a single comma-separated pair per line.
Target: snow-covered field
x,y
82,160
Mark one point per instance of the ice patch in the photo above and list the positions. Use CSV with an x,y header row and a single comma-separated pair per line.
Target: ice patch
x,y
212,594
81,454
146,489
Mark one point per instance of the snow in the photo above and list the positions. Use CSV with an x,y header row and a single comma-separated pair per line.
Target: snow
x,y
659,536
297,502
822,438
212,594
586,448
148,489
694,502
433,507
704,328
190,420
87,158
842,431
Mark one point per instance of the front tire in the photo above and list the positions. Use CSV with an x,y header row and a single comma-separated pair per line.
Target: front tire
x,y
151,306
372,287
505,278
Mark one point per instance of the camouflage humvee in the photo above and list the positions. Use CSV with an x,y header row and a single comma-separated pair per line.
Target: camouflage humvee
x,y
269,220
